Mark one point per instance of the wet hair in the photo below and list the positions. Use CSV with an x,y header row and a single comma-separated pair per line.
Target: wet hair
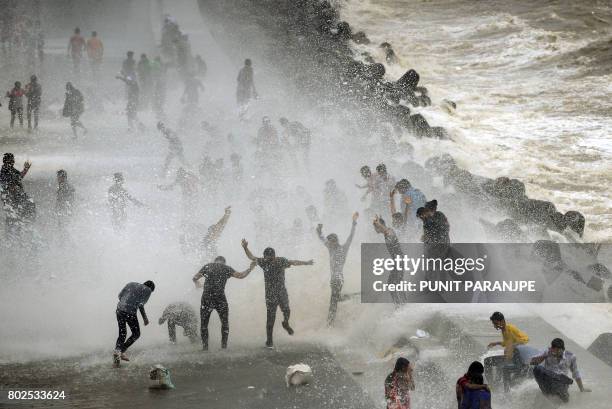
x,y
432,205
62,173
477,379
381,168
150,284
220,259
365,170
403,184
401,364
497,316
558,343
8,157
476,368
17,84
269,252
247,62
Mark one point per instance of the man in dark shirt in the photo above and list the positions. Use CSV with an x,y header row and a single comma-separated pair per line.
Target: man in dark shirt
x,y
128,68
33,92
435,224
276,292
337,258
15,201
133,297
215,276
10,175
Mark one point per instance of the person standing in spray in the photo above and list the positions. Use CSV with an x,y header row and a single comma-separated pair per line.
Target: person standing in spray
x,y
133,99
158,77
74,107
276,292
64,203
33,93
215,276
15,104
337,259
245,90
118,197
145,79
95,52
133,297
76,46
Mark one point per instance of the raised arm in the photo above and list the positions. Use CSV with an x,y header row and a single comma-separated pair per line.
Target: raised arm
x,y
218,227
392,202
134,200
245,272
301,263
349,239
320,233
245,246
26,168
384,229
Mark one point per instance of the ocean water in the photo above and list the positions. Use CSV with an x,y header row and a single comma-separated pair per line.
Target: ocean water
x,y
532,83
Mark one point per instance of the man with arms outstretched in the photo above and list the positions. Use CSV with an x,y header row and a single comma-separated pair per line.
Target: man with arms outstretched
x,y
276,292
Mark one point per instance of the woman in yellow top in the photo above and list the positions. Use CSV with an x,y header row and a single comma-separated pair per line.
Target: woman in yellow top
x,y
511,337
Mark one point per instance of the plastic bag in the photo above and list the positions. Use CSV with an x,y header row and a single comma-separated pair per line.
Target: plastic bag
x,y
300,374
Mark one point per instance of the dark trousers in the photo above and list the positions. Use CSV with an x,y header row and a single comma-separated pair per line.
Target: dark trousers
x,y
336,290
274,300
33,110
218,303
552,383
17,112
125,320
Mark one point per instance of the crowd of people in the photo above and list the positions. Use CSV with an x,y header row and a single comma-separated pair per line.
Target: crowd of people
x,y
399,211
